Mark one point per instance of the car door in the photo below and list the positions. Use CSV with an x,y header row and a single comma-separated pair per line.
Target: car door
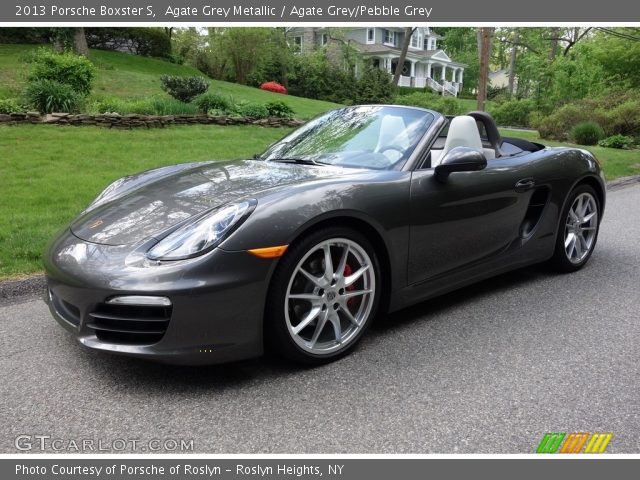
x,y
468,218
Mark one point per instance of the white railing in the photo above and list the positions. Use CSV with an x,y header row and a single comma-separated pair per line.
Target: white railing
x,y
434,85
451,88
404,81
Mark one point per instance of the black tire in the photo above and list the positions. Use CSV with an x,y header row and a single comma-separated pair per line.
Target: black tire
x,y
278,338
560,261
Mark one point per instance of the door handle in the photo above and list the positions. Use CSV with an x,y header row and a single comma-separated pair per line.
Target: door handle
x,y
524,185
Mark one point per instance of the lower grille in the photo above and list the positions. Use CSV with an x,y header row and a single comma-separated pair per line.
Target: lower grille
x,y
129,324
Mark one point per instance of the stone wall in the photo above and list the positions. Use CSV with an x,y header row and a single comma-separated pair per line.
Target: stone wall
x,y
142,121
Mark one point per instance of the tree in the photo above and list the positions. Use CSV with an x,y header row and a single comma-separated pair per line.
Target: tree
x,y
80,42
484,40
512,62
408,32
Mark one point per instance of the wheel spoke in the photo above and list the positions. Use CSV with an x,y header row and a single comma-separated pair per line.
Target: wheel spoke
x,y
322,321
347,313
583,244
328,263
587,229
313,313
351,279
356,293
570,238
580,206
317,281
577,245
588,217
305,296
337,328
343,262
573,214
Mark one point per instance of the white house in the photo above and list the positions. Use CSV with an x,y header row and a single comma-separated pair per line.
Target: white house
x,y
426,65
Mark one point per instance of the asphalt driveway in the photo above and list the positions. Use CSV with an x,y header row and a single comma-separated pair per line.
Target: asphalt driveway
x,y
488,369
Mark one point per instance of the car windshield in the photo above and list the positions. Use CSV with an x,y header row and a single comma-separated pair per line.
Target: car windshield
x,y
376,137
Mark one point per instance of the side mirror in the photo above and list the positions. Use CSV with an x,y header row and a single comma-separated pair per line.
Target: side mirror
x,y
460,159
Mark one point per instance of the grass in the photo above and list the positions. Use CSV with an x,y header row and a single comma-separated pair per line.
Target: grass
x,y
49,174
615,162
133,77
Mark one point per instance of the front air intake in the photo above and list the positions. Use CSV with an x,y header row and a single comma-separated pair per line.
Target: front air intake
x,y
129,324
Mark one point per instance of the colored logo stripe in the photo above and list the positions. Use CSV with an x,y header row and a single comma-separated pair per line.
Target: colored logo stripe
x,y
550,443
598,442
574,442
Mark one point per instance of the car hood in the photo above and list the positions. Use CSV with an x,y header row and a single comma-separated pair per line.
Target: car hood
x,y
152,207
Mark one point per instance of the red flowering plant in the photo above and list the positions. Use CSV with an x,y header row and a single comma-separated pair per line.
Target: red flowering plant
x,y
273,87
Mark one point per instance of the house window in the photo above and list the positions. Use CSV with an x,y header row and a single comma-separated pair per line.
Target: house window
x,y
324,39
433,44
389,37
371,35
416,41
297,44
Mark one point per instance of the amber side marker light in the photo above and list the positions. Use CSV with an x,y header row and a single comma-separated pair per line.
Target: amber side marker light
x,y
269,252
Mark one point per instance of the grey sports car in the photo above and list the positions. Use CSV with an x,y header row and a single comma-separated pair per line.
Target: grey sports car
x,y
362,211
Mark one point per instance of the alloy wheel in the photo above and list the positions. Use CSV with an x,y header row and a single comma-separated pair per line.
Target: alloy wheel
x,y
581,228
330,296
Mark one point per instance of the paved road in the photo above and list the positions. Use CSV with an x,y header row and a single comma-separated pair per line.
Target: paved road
x,y
488,369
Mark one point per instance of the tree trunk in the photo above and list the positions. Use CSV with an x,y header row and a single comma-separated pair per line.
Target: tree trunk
x,y
553,47
408,32
512,63
80,42
485,55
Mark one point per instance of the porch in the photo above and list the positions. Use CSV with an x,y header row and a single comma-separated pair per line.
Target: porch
x,y
442,77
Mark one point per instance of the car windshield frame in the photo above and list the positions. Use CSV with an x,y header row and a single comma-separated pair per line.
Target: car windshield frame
x,y
377,137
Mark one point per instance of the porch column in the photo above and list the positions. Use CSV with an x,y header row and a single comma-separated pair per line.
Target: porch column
x,y
460,76
428,69
387,62
413,68
443,77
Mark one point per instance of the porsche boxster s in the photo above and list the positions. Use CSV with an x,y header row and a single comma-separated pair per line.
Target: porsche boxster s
x,y
362,211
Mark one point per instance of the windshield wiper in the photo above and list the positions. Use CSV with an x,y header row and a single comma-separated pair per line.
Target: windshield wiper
x,y
299,161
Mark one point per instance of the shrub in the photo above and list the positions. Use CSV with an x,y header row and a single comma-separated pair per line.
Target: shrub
x,y
444,105
212,101
314,76
587,133
513,113
149,42
273,87
374,86
557,125
74,70
279,109
184,89
252,110
616,141
50,96
9,105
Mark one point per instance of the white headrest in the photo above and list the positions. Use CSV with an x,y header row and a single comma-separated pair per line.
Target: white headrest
x,y
463,132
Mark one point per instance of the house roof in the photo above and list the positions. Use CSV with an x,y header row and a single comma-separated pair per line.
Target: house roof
x,y
376,48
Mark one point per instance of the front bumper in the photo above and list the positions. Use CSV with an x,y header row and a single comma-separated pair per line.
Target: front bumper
x,y
217,302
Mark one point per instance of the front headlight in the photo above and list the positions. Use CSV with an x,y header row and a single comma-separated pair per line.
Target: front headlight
x,y
200,235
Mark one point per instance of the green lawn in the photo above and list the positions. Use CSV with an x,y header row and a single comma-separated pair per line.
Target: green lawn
x,y
616,163
131,76
48,174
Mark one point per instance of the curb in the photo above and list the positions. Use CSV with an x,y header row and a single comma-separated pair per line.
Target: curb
x,y
12,291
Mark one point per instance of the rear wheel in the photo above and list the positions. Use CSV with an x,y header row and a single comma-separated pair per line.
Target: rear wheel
x,y
324,294
578,230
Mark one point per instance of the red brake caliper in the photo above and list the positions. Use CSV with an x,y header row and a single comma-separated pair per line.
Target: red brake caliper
x,y
348,271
